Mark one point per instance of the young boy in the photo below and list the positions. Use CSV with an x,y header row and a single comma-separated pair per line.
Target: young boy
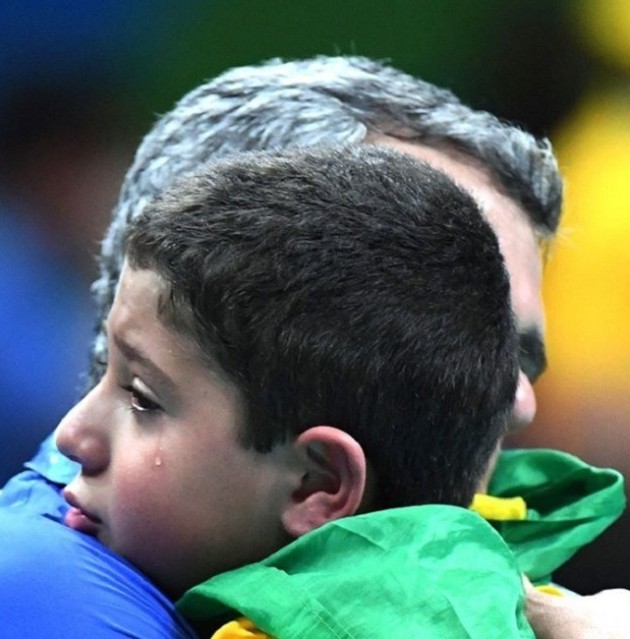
x,y
297,338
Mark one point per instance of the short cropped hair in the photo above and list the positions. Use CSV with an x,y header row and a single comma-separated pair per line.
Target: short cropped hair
x,y
333,100
352,287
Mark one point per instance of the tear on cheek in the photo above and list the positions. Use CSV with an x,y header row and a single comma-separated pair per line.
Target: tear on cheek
x,y
158,457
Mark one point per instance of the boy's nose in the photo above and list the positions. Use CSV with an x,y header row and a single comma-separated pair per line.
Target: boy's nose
x,y
524,408
80,436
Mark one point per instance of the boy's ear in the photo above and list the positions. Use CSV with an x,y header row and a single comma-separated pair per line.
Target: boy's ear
x,y
332,483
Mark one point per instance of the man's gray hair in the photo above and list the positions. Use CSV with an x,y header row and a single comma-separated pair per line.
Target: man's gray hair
x,y
331,100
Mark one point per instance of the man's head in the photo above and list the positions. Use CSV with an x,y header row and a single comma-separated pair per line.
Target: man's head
x,y
306,334
338,100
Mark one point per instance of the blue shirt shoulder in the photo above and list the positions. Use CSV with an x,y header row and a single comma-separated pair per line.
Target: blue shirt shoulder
x,y
57,583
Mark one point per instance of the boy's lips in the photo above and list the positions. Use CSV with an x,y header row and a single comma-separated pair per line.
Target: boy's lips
x,y
79,519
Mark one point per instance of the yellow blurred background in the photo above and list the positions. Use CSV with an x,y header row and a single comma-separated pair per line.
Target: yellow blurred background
x,y
584,398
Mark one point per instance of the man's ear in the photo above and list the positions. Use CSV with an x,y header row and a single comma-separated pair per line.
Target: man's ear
x,y
333,480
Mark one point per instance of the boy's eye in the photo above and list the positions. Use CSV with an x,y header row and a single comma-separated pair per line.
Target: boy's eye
x,y
139,402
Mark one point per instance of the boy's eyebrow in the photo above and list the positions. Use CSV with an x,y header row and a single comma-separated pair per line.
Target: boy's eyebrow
x,y
155,373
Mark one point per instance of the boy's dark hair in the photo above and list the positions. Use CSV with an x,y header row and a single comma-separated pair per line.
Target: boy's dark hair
x,y
325,99
356,288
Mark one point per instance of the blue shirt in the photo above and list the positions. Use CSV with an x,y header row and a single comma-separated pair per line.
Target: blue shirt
x,y
57,583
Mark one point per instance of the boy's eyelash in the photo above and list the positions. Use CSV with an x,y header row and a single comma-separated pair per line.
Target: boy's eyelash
x,y
139,402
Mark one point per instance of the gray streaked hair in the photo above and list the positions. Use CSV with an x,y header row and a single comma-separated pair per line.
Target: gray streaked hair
x,y
332,100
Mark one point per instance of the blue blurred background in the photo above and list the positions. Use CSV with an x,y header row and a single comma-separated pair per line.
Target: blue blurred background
x,y
83,80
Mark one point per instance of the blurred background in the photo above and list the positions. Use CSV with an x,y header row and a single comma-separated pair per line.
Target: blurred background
x,y
83,80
